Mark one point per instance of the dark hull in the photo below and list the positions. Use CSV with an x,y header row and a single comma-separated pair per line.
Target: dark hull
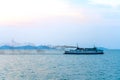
x,y
84,53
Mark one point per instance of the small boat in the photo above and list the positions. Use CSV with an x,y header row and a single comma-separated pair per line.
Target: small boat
x,y
78,50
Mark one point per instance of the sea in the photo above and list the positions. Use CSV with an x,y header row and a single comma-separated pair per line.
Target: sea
x,y
61,67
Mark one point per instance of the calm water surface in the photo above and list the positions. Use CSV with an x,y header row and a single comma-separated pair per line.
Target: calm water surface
x,y
61,67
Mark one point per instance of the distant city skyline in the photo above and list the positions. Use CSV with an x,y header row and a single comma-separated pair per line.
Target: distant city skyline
x,y
61,22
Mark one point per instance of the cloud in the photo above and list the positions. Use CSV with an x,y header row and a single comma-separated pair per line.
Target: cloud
x,y
17,10
28,11
112,3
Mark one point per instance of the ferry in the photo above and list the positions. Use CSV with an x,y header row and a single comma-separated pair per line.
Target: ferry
x,y
78,50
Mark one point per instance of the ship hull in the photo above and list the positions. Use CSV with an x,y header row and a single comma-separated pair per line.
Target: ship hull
x,y
86,53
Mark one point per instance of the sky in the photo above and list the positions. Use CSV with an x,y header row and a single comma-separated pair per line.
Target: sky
x,y
61,22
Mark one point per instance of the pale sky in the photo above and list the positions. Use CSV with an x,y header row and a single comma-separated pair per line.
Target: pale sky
x,y
61,22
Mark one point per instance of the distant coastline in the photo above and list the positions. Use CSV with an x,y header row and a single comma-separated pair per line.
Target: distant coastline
x,y
43,47
25,47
